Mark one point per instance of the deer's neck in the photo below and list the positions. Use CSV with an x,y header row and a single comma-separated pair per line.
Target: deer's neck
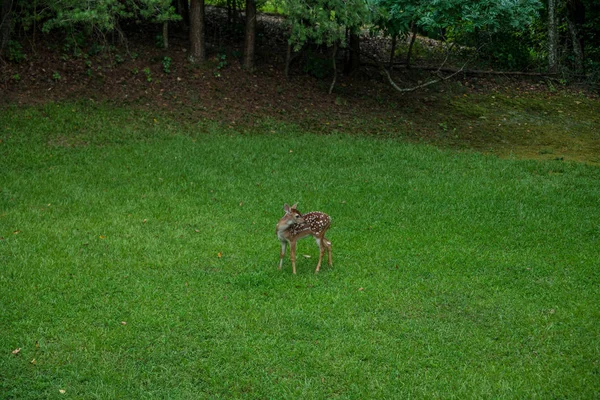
x,y
283,227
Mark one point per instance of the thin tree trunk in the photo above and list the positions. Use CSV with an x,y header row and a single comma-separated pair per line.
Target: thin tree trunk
x,y
412,42
334,68
250,37
185,12
347,51
230,11
34,22
197,31
289,56
393,51
575,22
165,34
182,8
288,60
577,50
552,37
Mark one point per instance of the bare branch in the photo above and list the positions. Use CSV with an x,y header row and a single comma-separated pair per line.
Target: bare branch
x,y
438,72
446,59
470,71
412,89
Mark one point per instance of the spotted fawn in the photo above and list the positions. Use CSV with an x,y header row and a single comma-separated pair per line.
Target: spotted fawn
x,y
294,225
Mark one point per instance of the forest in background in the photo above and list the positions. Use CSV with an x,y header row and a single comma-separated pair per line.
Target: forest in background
x,y
555,38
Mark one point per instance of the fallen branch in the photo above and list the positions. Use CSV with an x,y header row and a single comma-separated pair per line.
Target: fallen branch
x,y
486,72
467,71
412,89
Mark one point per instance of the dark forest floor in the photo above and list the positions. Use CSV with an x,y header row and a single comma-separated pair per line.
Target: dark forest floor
x,y
519,117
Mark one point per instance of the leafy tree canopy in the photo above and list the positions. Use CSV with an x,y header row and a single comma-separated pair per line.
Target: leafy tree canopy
x,y
102,15
324,21
395,16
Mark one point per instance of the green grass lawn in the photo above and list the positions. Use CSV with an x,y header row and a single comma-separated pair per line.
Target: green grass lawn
x,y
138,259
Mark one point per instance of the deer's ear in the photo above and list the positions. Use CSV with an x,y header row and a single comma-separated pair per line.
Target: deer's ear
x,y
286,208
294,206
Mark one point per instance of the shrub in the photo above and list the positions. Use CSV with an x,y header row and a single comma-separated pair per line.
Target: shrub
x,y
15,52
317,65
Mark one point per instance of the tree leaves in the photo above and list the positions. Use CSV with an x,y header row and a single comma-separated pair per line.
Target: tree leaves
x,y
325,21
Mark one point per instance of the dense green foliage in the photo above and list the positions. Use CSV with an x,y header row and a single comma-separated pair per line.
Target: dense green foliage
x,y
509,34
139,260
458,15
103,16
325,21
494,27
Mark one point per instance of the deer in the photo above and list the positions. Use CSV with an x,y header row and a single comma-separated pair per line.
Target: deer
x,y
294,225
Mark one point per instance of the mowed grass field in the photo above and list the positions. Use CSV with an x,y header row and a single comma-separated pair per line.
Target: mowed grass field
x,y
138,259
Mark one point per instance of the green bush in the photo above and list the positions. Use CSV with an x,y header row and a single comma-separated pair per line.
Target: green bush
x,y
166,62
504,50
317,65
15,52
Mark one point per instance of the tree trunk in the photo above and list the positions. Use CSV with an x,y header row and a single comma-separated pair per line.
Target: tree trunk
x,y
165,34
552,37
393,51
412,42
333,57
577,49
288,60
5,24
289,56
250,38
182,8
230,6
197,31
575,22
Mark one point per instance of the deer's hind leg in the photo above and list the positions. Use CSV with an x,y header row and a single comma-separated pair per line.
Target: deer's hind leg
x,y
328,245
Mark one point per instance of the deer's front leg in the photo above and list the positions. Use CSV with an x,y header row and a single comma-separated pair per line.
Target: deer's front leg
x,y
282,253
293,255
